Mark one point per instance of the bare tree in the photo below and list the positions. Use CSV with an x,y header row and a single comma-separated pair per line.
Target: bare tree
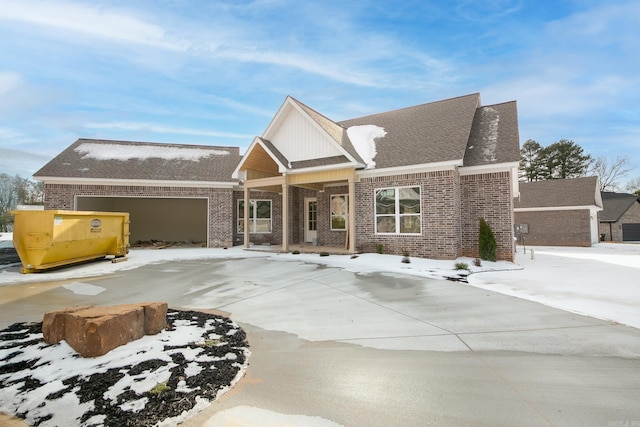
x,y
610,171
15,190
633,186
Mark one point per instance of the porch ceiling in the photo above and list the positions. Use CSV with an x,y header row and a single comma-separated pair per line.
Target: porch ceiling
x,y
260,161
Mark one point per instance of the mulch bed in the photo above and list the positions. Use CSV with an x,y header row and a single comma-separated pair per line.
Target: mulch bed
x,y
156,380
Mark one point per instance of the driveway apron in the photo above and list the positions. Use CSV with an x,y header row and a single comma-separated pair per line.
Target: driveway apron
x,y
383,349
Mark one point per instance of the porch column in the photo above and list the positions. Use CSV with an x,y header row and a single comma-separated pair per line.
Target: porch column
x,y
352,215
246,216
285,216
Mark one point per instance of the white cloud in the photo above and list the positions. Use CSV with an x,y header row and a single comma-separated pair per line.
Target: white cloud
x,y
90,20
8,82
487,10
10,135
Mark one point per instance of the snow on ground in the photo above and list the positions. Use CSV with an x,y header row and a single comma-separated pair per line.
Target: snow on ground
x,y
42,378
248,416
600,281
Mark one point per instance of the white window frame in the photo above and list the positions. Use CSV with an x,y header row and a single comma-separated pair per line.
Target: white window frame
x,y
253,203
397,215
346,213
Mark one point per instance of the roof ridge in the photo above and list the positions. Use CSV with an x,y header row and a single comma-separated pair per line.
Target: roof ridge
x,y
302,104
410,107
172,144
335,130
498,103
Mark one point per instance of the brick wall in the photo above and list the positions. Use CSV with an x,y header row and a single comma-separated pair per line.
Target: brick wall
x,y
487,196
326,236
62,196
440,226
556,228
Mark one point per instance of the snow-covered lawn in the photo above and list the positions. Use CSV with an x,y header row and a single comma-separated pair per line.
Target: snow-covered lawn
x,y
602,281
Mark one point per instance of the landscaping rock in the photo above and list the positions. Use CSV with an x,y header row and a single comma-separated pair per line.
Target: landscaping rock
x,y
94,331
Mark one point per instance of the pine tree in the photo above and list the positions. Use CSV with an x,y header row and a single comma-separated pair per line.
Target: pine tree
x,y
486,242
530,161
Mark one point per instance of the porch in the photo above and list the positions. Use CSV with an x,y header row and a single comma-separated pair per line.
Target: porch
x,y
303,248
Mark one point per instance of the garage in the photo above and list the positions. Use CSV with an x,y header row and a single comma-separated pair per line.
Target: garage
x,y
162,219
631,232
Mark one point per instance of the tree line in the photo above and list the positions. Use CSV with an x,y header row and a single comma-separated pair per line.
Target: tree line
x,y
566,159
16,191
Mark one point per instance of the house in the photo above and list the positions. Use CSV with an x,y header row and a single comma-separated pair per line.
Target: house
x,y
620,219
558,212
417,179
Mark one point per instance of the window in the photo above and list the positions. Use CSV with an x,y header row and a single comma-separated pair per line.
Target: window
x,y
339,211
259,216
398,210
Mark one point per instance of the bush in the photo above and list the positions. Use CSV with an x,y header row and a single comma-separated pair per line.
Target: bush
x,y
461,266
379,248
486,242
405,257
296,252
324,253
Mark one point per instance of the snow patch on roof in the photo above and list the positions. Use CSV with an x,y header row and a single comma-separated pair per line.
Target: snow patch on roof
x,y
363,140
492,116
98,151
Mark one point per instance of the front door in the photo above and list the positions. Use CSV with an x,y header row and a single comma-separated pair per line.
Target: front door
x,y
310,219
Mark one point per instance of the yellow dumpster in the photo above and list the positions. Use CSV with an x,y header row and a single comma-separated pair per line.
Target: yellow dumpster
x,y
54,238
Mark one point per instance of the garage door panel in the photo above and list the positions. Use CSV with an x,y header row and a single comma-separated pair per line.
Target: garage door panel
x,y
165,219
631,232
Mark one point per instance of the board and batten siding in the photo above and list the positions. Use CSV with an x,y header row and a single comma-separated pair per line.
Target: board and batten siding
x,y
298,139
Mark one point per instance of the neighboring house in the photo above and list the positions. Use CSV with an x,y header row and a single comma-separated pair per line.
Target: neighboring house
x,y
558,212
416,179
620,219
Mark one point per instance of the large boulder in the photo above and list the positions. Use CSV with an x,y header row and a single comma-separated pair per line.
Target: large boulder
x,y
94,331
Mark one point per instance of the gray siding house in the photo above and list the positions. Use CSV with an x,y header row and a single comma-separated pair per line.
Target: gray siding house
x,y
620,219
415,179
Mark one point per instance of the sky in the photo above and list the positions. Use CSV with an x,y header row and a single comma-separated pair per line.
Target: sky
x,y
216,72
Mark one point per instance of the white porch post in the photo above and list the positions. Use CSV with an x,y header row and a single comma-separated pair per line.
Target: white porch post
x,y
352,215
285,216
246,216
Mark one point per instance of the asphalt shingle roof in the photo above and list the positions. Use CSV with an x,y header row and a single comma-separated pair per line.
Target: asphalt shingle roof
x,y
92,158
494,136
555,193
456,129
427,133
615,205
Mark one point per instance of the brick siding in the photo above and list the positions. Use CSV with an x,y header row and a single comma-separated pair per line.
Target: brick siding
x,y
62,197
440,227
556,228
487,196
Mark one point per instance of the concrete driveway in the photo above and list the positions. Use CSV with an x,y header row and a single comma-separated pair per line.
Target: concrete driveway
x,y
384,349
